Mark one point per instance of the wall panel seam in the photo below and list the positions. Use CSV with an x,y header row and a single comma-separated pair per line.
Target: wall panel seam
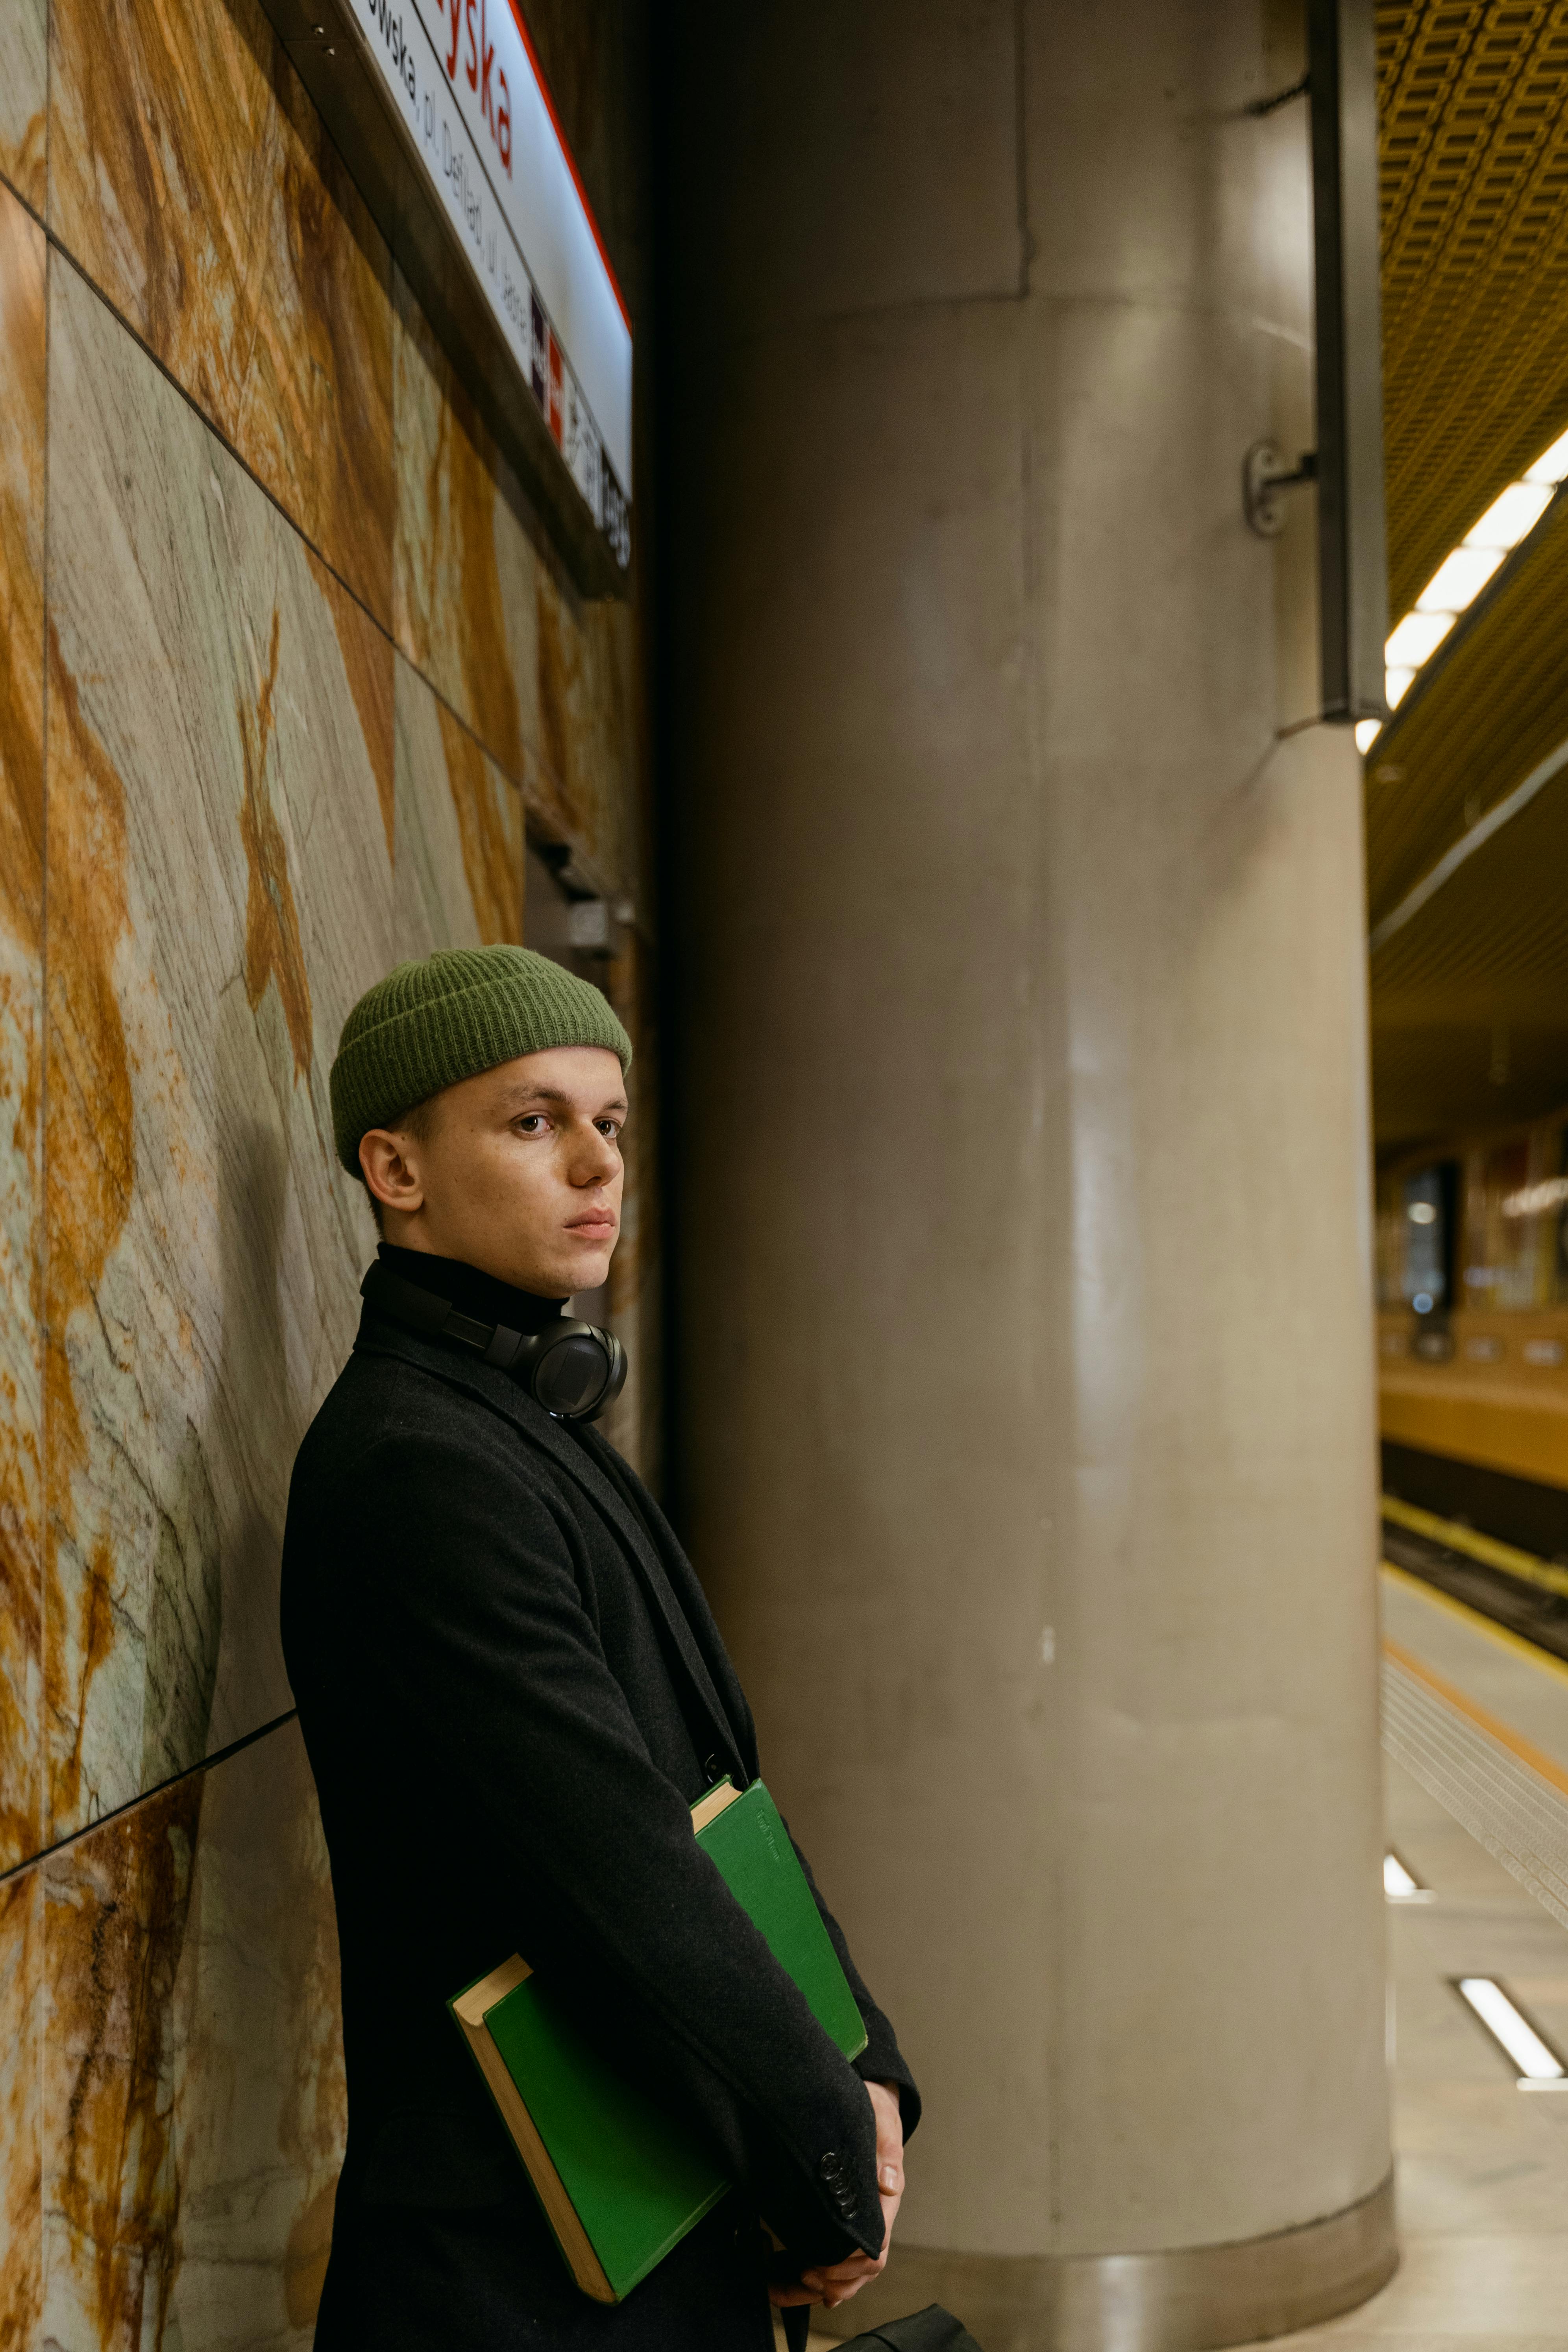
x,y
146,1796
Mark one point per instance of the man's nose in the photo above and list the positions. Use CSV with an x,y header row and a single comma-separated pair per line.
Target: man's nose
x,y
596,1160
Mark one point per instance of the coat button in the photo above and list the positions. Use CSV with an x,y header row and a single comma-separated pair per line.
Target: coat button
x,y
831,2168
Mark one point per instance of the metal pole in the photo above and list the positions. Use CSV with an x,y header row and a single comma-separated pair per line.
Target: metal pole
x,y
1352,555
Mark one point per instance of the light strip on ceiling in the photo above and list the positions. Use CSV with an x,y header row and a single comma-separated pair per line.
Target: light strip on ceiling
x,y
1462,574
1465,849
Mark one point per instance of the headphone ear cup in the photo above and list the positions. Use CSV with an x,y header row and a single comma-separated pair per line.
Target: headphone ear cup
x,y
577,1371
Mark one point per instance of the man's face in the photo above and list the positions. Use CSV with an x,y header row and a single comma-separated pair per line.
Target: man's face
x,y
517,1172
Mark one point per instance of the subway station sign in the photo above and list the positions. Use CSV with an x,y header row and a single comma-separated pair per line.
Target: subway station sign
x,y
478,121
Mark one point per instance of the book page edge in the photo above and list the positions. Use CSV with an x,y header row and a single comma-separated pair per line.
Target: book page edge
x,y
708,1807
563,2217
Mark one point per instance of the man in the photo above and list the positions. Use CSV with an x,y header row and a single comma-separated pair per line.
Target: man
x,y
513,1692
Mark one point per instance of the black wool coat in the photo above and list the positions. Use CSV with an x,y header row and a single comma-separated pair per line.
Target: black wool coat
x,y
511,1691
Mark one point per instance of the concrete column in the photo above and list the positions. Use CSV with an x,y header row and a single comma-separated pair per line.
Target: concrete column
x,y
1030,1428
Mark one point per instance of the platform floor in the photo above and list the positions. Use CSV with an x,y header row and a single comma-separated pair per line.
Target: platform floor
x,y
1482,2167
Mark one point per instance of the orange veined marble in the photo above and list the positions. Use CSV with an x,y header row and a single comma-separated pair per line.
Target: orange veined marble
x,y
91,1159
483,607
456,618
24,122
23,272
584,780
222,892
489,823
21,2120
191,177
116,1910
272,949
370,662
194,2095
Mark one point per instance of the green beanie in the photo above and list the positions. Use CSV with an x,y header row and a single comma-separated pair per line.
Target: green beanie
x,y
449,1016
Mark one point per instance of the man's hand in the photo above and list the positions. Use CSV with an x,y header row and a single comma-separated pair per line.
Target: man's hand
x,y
838,2282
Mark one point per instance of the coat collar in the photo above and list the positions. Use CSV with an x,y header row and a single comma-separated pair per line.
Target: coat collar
x,y
691,1599
503,1395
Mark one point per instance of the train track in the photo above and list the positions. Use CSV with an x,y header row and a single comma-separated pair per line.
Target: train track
x,y
1522,1596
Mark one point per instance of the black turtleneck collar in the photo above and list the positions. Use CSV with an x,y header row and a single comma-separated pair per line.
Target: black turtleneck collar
x,y
483,1295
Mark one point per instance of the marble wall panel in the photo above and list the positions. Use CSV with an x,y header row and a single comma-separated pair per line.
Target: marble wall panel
x,y
24,95
459,862
254,807
193,2107
220,892
21,2109
482,606
583,774
190,176
23,273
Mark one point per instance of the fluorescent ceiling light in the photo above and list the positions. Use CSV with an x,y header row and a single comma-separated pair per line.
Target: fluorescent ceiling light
x,y
1506,2025
1417,635
1507,518
1397,1882
1463,573
1552,464
1459,580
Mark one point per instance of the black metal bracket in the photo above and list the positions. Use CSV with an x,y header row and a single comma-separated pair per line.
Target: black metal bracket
x,y
1341,87
1264,474
1302,89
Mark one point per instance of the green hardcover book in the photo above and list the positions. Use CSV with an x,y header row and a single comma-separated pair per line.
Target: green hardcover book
x,y
620,2178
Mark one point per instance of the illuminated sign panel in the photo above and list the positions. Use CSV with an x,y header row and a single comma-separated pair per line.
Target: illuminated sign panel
x,y
472,102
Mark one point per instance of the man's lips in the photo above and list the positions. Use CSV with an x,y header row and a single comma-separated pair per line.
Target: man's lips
x,y
594,1223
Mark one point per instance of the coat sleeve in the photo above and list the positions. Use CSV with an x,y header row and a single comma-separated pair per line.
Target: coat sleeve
x,y
475,1631
881,2060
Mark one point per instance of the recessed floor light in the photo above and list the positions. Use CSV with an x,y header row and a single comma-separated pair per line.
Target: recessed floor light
x,y
1511,2030
1399,1884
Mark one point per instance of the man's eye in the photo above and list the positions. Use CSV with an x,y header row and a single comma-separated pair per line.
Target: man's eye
x,y
532,1123
609,1127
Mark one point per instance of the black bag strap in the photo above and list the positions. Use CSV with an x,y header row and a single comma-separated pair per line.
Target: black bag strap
x,y
931,2330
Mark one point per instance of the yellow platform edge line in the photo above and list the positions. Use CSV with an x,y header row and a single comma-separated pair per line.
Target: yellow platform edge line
x,y
1525,1565
1478,1623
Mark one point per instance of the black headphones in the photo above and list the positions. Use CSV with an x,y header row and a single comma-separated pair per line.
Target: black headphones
x,y
573,1369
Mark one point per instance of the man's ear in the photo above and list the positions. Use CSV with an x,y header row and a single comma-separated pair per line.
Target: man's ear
x,y
391,1175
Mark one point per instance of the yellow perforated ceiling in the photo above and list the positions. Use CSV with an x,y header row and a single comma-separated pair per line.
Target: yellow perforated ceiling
x,y
1469,1013
1473,102
1470,999
1496,705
